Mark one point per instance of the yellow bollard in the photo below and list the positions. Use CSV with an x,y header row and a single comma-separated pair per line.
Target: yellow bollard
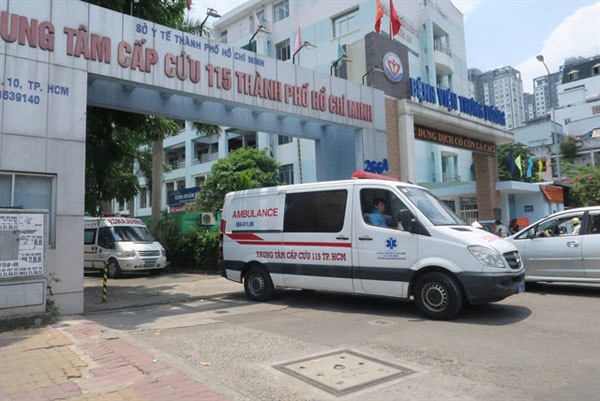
x,y
104,283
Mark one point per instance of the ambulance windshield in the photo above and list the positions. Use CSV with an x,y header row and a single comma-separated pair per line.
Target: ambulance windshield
x,y
433,208
131,233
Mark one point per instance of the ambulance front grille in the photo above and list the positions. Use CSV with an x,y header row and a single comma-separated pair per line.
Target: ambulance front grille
x,y
149,253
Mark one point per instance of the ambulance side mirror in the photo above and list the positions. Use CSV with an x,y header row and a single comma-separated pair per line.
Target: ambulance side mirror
x,y
407,220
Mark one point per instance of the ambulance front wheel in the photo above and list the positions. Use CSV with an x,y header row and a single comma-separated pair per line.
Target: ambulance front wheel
x,y
438,296
114,270
258,284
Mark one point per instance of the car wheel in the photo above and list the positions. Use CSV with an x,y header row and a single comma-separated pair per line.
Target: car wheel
x,y
114,270
258,284
438,296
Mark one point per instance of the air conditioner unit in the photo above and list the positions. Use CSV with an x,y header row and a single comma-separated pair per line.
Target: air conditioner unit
x,y
207,219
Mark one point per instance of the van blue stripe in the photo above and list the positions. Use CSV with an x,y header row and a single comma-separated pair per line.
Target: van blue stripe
x,y
364,272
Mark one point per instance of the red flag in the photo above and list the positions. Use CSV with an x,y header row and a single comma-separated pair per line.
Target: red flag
x,y
189,4
378,16
394,20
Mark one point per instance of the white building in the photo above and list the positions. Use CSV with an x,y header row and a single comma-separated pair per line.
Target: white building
x,y
504,88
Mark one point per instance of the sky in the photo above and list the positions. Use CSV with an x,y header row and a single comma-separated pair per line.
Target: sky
x,y
499,33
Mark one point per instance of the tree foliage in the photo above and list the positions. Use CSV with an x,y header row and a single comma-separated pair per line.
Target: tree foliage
x,y
114,142
585,184
244,168
568,149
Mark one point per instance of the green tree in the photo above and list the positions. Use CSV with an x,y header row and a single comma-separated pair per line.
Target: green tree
x,y
112,143
585,184
568,149
516,149
244,168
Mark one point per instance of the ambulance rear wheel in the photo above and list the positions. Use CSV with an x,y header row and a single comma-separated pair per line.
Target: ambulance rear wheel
x,y
258,284
114,270
438,296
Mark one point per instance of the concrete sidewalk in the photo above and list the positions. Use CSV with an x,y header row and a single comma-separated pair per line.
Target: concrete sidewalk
x,y
77,359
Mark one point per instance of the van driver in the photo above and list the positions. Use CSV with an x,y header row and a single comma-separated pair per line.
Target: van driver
x,y
377,218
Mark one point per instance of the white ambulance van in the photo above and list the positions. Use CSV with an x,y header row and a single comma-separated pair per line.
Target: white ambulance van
x,y
364,236
123,243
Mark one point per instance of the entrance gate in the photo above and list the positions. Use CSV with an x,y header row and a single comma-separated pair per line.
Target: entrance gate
x,y
56,57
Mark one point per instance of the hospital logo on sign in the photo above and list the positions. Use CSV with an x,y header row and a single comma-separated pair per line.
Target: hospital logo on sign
x,y
392,66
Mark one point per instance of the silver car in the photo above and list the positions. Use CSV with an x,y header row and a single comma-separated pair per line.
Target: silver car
x,y
564,246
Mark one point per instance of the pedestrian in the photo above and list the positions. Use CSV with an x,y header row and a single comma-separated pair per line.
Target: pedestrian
x,y
500,229
513,227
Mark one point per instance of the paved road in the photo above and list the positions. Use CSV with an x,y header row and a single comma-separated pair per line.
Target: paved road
x,y
540,345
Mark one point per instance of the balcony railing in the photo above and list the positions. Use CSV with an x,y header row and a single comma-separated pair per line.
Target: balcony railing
x,y
177,164
206,157
442,48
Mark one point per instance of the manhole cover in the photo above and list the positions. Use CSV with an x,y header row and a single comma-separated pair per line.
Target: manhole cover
x,y
343,372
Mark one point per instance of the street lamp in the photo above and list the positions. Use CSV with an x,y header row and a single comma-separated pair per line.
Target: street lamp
x,y
336,62
306,44
370,70
131,6
260,29
540,58
210,12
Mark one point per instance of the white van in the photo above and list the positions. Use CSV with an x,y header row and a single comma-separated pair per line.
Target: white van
x,y
330,236
123,243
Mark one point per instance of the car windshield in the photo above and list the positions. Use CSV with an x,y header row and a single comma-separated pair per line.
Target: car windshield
x,y
433,208
132,233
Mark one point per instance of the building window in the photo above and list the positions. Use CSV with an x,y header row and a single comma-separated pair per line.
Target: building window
x,y
573,75
30,192
181,184
281,10
282,50
286,174
345,23
200,180
261,20
143,198
170,187
224,36
283,139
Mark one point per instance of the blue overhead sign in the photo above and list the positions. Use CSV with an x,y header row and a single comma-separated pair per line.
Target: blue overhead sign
x,y
182,197
451,101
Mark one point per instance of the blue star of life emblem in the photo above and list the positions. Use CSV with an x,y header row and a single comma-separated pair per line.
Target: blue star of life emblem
x,y
391,243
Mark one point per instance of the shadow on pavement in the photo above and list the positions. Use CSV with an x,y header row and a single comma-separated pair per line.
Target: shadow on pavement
x,y
575,290
493,314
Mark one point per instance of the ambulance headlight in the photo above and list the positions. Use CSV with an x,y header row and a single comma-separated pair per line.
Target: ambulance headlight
x,y
486,256
129,254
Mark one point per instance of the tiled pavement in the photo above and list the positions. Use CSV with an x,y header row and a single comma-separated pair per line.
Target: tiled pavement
x,y
77,361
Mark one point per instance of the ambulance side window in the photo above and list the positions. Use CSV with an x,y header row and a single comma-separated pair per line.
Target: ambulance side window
x,y
89,236
105,239
394,215
316,211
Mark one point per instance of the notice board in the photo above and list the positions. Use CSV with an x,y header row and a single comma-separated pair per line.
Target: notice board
x,y
22,243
